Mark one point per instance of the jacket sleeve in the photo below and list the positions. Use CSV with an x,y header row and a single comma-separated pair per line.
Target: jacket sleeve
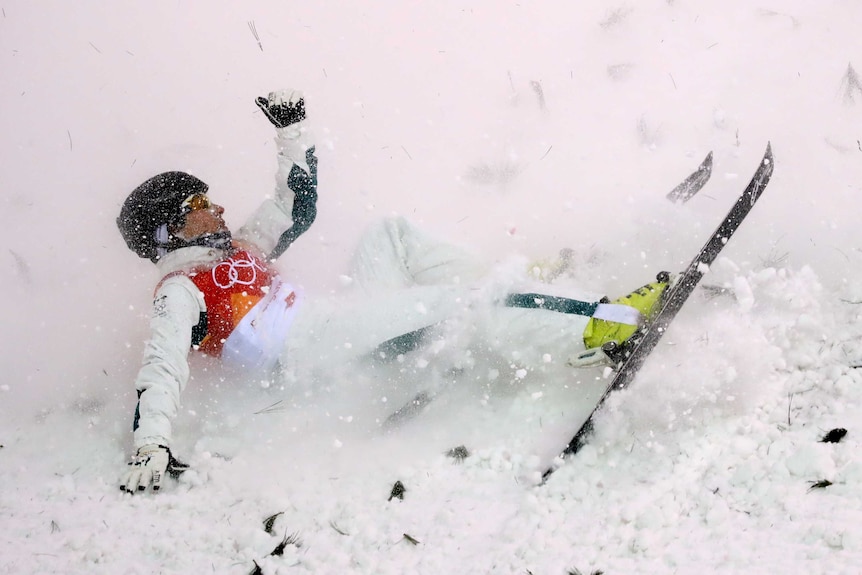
x,y
165,371
291,211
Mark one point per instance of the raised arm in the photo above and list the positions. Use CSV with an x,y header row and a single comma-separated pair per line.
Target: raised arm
x,y
280,220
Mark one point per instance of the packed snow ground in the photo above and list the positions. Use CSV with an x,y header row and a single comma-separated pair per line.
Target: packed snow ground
x,y
516,129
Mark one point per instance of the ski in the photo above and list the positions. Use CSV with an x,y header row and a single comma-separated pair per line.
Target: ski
x,y
390,350
649,336
408,411
693,183
681,194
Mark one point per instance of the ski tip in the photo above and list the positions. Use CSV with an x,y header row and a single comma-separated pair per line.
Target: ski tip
x,y
768,162
706,165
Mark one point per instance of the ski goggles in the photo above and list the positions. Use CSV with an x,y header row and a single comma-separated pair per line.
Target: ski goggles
x,y
191,204
195,202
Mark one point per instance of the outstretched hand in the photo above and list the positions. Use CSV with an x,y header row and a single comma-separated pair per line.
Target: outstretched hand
x,y
283,107
149,465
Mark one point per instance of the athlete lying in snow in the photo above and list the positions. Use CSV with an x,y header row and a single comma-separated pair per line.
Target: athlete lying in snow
x,y
220,294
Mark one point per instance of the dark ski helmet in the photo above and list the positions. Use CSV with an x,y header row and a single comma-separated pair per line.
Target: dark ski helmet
x,y
155,202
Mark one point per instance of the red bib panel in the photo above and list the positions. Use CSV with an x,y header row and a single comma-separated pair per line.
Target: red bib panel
x,y
231,288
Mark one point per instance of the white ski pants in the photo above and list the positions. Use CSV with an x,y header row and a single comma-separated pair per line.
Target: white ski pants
x,y
406,280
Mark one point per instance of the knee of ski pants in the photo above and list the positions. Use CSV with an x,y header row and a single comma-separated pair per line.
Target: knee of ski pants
x,y
395,253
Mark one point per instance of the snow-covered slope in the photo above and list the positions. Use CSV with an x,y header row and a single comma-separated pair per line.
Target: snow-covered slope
x,y
516,129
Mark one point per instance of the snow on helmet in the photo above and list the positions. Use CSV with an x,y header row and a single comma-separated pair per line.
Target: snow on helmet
x,y
155,202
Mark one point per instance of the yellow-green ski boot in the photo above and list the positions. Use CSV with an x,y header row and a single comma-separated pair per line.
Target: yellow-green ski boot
x,y
607,340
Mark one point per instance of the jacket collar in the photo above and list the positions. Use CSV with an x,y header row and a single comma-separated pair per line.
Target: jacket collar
x,y
187,258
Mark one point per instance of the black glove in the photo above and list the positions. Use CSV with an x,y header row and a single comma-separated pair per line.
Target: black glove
x,y
283,108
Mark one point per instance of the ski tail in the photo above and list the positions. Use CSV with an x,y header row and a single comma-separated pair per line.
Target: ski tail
x,y
679,293
690,186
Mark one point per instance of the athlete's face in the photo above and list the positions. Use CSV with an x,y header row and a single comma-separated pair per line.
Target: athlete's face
x,y
203,221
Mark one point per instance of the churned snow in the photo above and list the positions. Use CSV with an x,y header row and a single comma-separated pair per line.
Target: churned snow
x,y
516,129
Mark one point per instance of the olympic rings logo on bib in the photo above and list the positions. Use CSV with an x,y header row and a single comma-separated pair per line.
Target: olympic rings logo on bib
x,y
233,272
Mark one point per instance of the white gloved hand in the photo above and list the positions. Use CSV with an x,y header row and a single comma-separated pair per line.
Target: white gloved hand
x,y
148,465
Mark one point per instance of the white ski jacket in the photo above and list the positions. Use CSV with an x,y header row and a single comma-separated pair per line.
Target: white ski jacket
x,y
178,304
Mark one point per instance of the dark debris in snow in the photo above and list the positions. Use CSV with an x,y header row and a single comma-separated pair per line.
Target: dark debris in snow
x,y
398,491
834,435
